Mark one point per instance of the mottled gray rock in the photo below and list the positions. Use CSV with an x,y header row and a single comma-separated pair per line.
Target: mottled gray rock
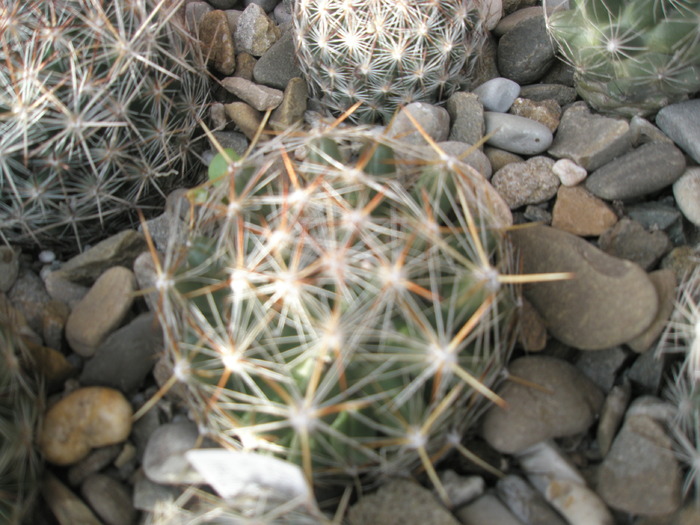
x,y
433,120
497,94
9,267
164,459
29,296
278,65
646,372
590,140
628,239
526,51
681,122
686,190
602,367
516,134
110,499
486,509
255,32
644,170
125,358
644,131
467,117
528,182
398,502
617,297
526,504
260,97
563,95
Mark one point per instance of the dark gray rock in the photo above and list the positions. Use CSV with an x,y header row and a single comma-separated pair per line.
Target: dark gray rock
x,y
278,65
526,52
563,95
628,239
681,122
602,367
526,503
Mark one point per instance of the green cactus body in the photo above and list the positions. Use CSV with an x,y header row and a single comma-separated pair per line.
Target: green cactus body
x,y
21,407
385,53
631,57
330,315
98,103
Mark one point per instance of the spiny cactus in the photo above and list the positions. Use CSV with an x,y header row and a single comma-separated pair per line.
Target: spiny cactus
x,y
631,57
682,336
346,309
21,407
385,53
98,102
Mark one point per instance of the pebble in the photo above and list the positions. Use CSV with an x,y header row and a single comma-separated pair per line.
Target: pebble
x,y
529,182
562,95
640,474
245,117
681,122
545,112
293,106
486,509
278,65
516,134
533,332
194,12
526,504
686,190
86,418
29,296
126,357
66,507
433,120
245,66
497,94
579,212
398,502
664,282
261,98
232,139
62,290
578,504
590,140
101,311
9,267
628,239
611,416
282,13
467,117
645,131
148,495
463,152
110,499
164,458
223,4
461,490
255,32
95,461
569,173
509,21
53,366
500,158
603,367
217,42
646,372
562,402
659,215
644,170
617,296
525,52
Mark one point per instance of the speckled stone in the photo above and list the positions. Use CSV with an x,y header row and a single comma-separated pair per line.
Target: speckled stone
x,y
577,211
466,117
546,112
217,42
528,182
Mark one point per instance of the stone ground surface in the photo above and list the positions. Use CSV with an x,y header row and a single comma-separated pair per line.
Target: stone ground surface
x,y
619,204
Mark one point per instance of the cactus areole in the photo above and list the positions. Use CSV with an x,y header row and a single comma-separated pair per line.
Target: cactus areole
x,y
385,53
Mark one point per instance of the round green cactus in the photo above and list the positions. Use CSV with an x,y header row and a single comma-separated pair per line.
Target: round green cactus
x,y
631,57
98,102
341,300
385,53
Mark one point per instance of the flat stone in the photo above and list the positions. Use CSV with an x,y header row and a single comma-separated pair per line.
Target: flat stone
x,y
255,32
467,117
602,367
608,302
562,95
519,135
86,418
579,212
590,140
97,460
529,182
66,507
293,106
398,502
101,311
526,504
246,118
612,414
686,190
545,112
261,98
640,474
628,239
433,120
500,158
486,509
565,402
497,94
9,267
525,52
681,122
645,131
126,357
664,282
470,155
164,458
245,66
278,65
110,499
644,170
217,42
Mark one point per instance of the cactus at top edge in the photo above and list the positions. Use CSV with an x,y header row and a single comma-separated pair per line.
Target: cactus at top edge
x,y
341,300
385,53
98,103
21,407
631,57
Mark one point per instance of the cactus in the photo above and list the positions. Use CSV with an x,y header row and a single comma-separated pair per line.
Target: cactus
x,y
21,406
631,57
98,102
385,53
341,300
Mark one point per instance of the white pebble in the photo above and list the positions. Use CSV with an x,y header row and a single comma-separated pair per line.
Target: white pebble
x,y
686,190
47,256
569,173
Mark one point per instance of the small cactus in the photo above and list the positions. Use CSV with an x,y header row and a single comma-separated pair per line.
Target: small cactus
x,y
385,53
21,406
98,103
631,57
341,300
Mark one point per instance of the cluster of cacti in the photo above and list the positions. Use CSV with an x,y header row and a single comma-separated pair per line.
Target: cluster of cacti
x,y
682,336
385,53
341,300
631,57
98,103
21,406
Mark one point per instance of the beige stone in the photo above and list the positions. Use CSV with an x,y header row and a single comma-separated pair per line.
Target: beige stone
x,y
578,211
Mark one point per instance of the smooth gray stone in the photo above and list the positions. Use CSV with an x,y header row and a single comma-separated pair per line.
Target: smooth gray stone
x,y
278,65
497,94
681,122
526,503
516,134
164,459
433,120
644,170
526,52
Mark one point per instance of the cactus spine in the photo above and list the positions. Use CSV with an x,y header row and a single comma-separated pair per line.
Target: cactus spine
x,y
385,53
98,102
631,57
